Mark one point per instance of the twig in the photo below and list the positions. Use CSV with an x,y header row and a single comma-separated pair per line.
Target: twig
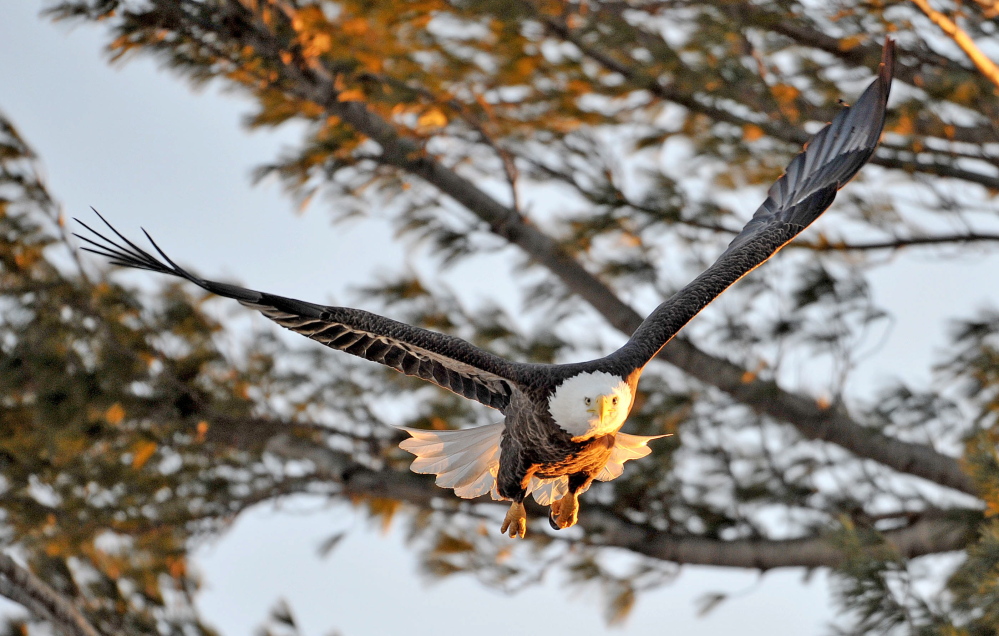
x,y
987,67
894,244
21,586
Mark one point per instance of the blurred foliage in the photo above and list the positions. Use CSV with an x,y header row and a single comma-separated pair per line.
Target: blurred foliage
x,y
281,622
631,132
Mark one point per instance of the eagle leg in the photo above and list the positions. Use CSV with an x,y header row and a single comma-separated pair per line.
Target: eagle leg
x,y
564,512
515,521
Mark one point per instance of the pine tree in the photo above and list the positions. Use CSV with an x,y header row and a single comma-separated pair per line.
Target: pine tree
x,y
611,137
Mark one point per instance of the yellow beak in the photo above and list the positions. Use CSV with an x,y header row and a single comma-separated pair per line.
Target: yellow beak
x,y
602,408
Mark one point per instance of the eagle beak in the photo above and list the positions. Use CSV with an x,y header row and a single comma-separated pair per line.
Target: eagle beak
x,y
602,409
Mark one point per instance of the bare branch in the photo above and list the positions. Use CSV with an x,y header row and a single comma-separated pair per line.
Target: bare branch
x,y
812,421
929,533
896,243
21,586
820,245
894,160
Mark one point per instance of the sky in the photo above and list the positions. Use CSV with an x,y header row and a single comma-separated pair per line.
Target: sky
x,y
140,146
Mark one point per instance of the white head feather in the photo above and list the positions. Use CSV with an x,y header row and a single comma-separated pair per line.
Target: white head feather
x,y
573,404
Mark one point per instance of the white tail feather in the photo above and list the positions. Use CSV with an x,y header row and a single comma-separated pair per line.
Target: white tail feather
x,y
547,491
468,461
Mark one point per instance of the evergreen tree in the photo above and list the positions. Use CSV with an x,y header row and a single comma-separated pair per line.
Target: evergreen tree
x,y
591,142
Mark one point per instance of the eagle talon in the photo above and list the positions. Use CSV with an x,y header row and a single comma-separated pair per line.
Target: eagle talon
x,y
515,521
564,512
552,522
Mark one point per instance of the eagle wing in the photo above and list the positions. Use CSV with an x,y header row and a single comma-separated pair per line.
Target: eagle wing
x,y
830,159
447,361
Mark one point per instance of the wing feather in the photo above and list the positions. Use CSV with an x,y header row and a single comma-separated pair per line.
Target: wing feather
x,y
447,361
807,188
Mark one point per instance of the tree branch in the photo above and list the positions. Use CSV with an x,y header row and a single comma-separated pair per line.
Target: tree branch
x,y
931,533
895,243
858,54
820,245
777,130
893,160
21,586
986,66
813,422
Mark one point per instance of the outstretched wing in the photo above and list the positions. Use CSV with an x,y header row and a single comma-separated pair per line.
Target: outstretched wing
x,y
447,361
830,159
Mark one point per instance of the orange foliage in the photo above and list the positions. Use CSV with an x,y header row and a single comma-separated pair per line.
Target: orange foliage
x,y
177,567
752,132
965,92
25,257
115,414
383,509
433,118
905,124
143,451
351,95
381,49
354,26
785,93
851,42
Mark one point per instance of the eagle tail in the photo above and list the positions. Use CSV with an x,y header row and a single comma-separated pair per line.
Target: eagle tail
x,y
465,460
548,491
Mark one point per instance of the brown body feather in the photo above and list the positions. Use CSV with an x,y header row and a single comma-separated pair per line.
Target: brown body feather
x,y
533,445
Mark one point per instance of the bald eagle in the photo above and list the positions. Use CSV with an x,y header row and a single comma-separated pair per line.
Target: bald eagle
x,y
562,422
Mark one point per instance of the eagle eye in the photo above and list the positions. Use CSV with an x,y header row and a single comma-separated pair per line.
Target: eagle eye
x,y
614,400
588,401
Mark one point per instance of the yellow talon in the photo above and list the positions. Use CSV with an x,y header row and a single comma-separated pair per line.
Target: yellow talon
x,y
515,521
565,512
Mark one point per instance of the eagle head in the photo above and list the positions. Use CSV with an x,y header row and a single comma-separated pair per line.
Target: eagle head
x,y
589,405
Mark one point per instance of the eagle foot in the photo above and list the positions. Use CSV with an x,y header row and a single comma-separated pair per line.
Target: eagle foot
x,y
515,522
564,512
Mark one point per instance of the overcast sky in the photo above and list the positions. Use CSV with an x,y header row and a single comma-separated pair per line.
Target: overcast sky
x,y
141,147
